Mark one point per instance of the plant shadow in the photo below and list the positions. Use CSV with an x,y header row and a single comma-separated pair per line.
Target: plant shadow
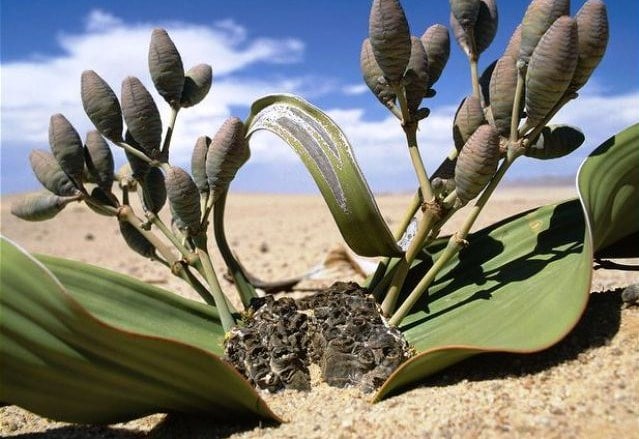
x,y
563,236
82,431
171,426
599,323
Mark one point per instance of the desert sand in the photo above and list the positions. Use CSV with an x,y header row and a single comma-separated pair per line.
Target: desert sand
x,y
585,386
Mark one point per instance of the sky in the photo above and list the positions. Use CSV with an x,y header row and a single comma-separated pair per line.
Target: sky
x,y
257,47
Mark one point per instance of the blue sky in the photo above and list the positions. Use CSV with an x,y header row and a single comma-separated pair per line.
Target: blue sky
x,y
257,47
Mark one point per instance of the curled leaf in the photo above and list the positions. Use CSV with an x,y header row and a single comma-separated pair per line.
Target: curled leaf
x,y
49,173
40,207
436,41
539,16
66,146
465,12
136,240
198,163
477,163
416,77
328,156
197,83
165,66
101,105
154,190
592,28
227,153
555,141
141,116
390,38
502,85
184,200
551,68
468,118
99,160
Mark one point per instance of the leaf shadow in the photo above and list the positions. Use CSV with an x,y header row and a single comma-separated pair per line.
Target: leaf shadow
x,y
563,236
73,431
599,323
171,426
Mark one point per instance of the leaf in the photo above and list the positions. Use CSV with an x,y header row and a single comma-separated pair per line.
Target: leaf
x,y
106,348
520,286
608,184
328,156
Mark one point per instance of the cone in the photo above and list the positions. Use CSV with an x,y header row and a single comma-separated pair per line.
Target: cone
x,y
141,116
390,38
165,66
101,105
477,163
468,118
197,83
66,146
99,160
551,68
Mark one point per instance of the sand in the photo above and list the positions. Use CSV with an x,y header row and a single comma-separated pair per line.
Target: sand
x,y
585,386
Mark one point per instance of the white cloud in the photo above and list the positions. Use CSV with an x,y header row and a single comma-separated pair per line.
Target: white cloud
x,y
33,89
99,20
380,145
354,89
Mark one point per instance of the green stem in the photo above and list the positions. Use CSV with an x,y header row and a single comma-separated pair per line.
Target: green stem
x,y
195,283
244,286
519,95
540,126
393,109
157,222
380,271
105,209
474,78
139,154
399,276
169,133
456,242
415,202
218,296
400,92
410,130
126,214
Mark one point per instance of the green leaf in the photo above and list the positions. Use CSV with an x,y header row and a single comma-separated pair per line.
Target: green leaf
x,y
608,184
105,348
328,156
520,286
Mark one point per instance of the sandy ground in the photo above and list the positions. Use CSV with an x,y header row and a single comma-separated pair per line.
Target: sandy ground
x,y
586,386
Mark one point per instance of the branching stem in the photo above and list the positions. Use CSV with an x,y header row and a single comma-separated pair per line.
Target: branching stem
x,y
519,95
399,276
169,133
242,283
456,242
474,78
424,183
220,300
139,154
373,282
